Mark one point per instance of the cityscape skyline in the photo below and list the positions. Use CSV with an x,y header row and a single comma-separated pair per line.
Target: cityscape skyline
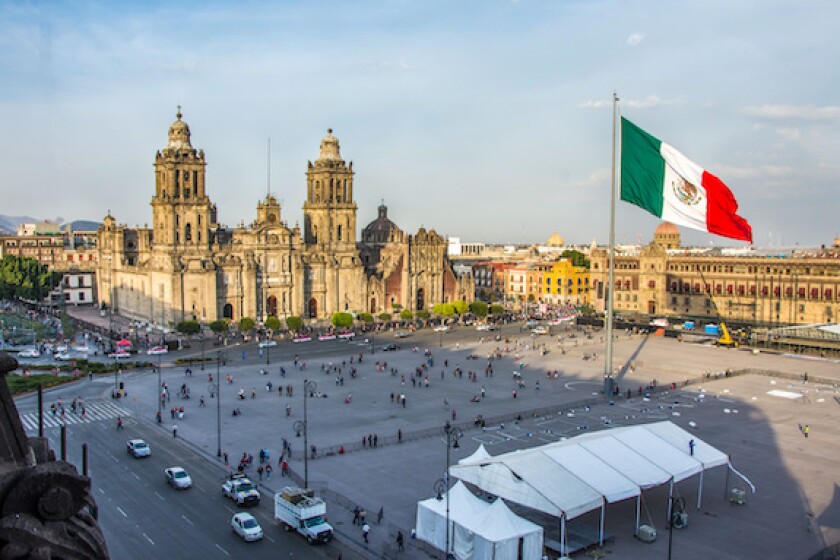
x,y
423,97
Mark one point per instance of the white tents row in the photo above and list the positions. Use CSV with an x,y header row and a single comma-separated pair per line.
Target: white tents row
x,y
569,478
477,530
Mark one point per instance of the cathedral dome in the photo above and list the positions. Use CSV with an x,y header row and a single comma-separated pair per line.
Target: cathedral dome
x,y
329,149
666,228
179,134
555,240
379,230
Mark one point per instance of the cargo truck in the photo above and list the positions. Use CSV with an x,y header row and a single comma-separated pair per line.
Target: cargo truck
x,y
299,510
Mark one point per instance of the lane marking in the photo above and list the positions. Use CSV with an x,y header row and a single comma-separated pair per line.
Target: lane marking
x,y
187,520
124,514
223,550
148,539
135,475
159,496
269,538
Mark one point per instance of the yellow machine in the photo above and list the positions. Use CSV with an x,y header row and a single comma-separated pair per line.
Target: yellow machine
x,y
725,338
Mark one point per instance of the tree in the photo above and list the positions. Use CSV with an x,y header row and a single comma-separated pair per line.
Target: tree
x,y
496,309
577,258
461,307
479,309
366,318
272,323
294,323
531,298
189,328
423,314
25,278
246,324
385,317
406,315
444,309
219,326
342,319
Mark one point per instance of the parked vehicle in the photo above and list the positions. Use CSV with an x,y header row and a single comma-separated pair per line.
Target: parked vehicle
x,y
299,510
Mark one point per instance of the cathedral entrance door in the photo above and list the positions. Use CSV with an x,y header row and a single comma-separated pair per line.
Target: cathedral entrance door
x,y
313,308
651,307
373,305
272,306
227,312
421,299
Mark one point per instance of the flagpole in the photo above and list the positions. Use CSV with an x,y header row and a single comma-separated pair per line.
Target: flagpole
x,y
608,362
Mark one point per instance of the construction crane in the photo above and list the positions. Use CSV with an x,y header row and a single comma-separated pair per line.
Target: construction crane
x,y
725,338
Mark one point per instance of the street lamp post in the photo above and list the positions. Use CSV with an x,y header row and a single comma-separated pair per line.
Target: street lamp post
x,y
202,351
161,396
308,386
453,434
219,357
267,353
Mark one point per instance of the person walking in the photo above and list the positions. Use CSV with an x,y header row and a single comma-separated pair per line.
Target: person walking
x,y
400,540
260,471
365,531
691,447
379,515
805,430
174,430
119,423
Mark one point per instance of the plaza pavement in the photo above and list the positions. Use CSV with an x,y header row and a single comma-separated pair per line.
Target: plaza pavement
x,y
792,515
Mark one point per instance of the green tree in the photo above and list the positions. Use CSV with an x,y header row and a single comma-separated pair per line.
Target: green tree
x,y
496,309
342,319
272,323
406,315
479,309
385,317
577,258
423,314
26,278
460,307
531,298
294,323
366,318
219,326
188,328
444,309
246,324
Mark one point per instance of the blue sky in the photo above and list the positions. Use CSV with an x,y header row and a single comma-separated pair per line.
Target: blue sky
x,y
487,120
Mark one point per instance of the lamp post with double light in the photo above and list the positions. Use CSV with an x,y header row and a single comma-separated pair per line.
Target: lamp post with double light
x,y
453,434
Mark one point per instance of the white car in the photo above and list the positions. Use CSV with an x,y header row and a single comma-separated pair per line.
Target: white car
x,y
138,448
441,328
120,355
267,343
178,478
155,350
29,353
244,525
63,356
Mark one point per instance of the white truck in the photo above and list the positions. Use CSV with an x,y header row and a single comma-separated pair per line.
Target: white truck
x,y
298,509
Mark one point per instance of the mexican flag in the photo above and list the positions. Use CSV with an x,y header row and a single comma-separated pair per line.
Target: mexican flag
x,y
658,178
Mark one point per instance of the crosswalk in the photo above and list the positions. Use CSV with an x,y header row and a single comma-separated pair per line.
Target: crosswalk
x,y
95,411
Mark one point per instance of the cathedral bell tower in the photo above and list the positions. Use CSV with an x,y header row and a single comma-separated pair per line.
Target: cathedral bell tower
x,y
181,210
329,213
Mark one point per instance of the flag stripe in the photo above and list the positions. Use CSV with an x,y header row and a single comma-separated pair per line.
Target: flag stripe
x,y
721,215
642,168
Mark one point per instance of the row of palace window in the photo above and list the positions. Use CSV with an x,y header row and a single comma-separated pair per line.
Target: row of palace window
x,y
741,269
741,290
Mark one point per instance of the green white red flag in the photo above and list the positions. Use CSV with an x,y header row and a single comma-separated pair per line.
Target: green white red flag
x,y
657,177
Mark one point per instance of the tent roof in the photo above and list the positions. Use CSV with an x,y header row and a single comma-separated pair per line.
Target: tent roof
x,y
462,503
498,523
578,475
480,453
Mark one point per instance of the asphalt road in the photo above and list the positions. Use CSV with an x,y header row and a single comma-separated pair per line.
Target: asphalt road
x,y
140,515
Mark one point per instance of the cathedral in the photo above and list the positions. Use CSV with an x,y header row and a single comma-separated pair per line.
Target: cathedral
x,y
189,267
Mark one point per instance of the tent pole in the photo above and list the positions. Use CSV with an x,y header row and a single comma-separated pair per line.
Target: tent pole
x,y
700,490
726,482
670,499
638,511
563,534
603,512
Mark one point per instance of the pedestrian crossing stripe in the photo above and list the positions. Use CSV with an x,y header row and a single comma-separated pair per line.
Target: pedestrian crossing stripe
x,y
95,411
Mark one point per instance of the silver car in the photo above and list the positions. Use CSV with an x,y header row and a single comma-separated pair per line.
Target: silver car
x,y
178,478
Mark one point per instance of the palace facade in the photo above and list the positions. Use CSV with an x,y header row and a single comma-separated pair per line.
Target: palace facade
x,y
666,280
188,266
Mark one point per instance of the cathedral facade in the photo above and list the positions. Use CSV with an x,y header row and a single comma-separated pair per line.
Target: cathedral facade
x,y
187,266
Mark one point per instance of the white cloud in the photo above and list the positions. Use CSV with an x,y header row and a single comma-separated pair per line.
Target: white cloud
x,y
795,112
753,172
635,39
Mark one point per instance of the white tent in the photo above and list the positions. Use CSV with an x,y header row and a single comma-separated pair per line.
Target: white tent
x,y
480,454
496,535
477,530
569,478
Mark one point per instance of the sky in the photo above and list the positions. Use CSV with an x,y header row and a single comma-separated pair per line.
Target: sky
x,y
488,120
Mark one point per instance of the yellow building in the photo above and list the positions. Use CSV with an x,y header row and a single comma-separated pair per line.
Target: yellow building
x,y
564,283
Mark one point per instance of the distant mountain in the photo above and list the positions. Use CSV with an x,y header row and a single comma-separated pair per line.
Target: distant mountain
x,y
9,224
